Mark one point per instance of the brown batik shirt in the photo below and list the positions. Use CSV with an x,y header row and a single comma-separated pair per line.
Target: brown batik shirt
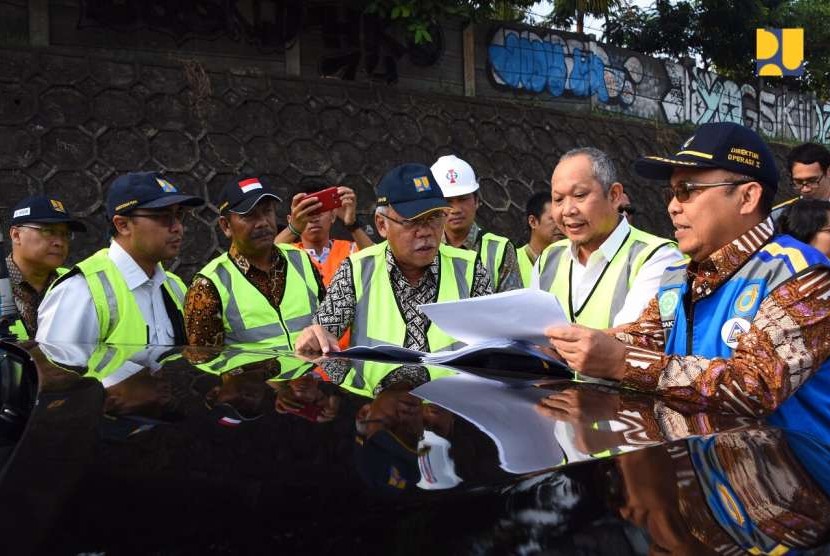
x,y
789,338
26,297
203,306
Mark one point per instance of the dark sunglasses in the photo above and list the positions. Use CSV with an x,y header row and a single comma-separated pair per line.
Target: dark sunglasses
x,y
682,190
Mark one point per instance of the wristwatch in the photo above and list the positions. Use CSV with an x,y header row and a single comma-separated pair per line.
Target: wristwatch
x,y
354,225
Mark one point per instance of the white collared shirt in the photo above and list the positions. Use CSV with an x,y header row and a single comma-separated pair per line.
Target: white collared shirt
x,y
67,313
643,289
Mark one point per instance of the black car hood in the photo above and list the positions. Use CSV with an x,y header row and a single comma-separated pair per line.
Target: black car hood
x,y
246,450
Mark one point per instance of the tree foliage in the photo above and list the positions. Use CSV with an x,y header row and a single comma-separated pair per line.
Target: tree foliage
x,y
721,34
418,15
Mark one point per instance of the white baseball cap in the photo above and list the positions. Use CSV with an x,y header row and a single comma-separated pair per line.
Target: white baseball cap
x,y
454,176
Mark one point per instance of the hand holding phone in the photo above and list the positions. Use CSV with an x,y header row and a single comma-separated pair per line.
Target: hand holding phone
x,y
329,197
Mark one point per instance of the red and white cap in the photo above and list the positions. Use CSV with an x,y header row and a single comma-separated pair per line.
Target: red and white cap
x,y
454,176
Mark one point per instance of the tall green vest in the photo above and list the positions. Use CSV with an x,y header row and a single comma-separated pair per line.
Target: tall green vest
x,y
248,317
378,318
119,317
18,328
525,265
491,252
608,296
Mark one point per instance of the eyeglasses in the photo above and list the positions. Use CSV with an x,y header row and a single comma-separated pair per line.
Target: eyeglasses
x,y
807,182
166,219
683,190
50,233
627,210
434,221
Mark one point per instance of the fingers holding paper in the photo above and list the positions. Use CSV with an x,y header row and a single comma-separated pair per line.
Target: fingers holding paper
x,y
589,351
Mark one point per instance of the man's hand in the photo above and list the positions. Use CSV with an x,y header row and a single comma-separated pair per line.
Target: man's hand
x,y
301,209
589,351
348,209
314,340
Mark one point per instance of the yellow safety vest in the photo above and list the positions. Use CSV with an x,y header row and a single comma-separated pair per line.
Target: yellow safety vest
x,y
378,319
119,317
609,293
491,251
525,265
248,317
17,327
242,355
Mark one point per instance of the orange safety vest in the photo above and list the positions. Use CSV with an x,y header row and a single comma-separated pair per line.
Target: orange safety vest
x,y
339,250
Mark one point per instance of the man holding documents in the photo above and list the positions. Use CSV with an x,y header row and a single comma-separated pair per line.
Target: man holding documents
x,y
743,325
606,271
375,292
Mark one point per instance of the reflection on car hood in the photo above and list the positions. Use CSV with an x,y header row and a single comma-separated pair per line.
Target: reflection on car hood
x,y
253,449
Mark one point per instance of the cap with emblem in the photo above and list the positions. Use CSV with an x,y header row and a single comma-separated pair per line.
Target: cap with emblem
x,y
411,190
243,192
39,209
723,145
455,176
145,190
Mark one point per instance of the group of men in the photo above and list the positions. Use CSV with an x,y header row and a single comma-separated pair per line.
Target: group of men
x,y
731,313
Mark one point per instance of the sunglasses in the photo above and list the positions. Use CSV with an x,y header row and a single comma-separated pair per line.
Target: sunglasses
x,y
682,190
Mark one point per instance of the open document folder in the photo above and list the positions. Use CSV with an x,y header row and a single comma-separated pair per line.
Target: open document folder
x,y
509,324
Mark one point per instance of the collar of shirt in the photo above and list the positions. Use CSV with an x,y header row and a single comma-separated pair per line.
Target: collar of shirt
x,y
133,275
16,275
469,241
608,248
720,265
320,256
277,261
392,267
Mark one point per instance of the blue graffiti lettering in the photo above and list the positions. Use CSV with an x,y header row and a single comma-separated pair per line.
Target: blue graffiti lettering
x,y
522,60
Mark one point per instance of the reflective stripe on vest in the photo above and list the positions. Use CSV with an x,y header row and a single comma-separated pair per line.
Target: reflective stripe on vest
x,y
119,318
491,252
248,317
378,319
611,289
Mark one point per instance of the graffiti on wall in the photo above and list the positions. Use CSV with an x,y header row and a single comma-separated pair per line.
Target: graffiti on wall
x,y
552,64
695,96
537,62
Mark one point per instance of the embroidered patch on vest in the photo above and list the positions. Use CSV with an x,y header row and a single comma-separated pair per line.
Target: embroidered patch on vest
x,y
731,331
668,304
745,303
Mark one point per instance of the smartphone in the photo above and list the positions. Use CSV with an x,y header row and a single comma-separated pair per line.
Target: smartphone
x,y
329,197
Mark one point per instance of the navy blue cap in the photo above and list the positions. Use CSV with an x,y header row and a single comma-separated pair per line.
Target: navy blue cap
x,y
385,463
145,190
723,145
411,190
243,192
44,210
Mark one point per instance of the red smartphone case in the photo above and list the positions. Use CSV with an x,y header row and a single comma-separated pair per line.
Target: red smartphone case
x,y
329,197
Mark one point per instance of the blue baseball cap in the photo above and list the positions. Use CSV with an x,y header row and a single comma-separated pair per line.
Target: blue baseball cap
x,y
723,145
39,209
145,190
411,190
